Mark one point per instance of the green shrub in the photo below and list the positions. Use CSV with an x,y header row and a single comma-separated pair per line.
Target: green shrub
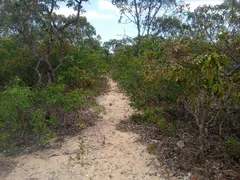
x,y
15,104
233,147
137,118
60,96
24,109
83,68
3,139
162,123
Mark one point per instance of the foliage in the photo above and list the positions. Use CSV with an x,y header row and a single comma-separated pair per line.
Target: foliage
x,y
233,146
83,68
15,103
15,60
57,95
156,117
42,31
48,62
191,69
3,139
141,13
24,109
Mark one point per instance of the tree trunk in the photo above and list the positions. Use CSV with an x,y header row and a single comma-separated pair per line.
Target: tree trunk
x,y
202,125
138,21
51,77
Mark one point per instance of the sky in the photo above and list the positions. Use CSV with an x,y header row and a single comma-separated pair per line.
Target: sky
x,y
104,17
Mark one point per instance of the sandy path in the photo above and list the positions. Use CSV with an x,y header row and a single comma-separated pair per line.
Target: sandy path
x,y
108,153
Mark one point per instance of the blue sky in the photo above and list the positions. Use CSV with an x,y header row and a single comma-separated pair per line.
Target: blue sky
x,y
104,17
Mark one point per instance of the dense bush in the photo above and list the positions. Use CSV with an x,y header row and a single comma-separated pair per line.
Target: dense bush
x,y
15,60
49,64
25,109
194,76
83,68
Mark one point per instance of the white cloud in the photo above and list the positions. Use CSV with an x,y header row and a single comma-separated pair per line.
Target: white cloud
x,y
195,4
89,14
97,15
107,5
65,11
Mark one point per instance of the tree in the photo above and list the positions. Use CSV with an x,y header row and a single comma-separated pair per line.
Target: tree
x,y
168,27
142,13
195,71
80,32
36,23
219,25
208,62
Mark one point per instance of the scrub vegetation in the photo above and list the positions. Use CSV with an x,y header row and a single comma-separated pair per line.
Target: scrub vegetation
x,y
181,73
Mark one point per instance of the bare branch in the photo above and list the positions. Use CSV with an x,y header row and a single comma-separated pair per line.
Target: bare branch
x,y
235,70
39,74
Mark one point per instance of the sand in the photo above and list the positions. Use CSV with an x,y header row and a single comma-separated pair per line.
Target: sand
x,y
100,152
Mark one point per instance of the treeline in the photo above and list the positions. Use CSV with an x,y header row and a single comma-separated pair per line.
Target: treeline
x,y
186,70
49,64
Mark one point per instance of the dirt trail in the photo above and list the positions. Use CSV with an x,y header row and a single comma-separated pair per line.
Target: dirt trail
x,y
108,153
